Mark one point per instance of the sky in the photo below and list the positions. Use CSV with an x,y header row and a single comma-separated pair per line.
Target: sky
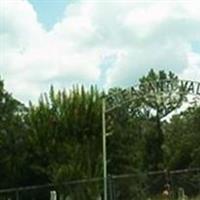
x,y
104,42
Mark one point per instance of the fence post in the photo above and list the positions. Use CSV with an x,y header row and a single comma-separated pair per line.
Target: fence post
x,y
17,194
110,187
53,195
167,183
114,188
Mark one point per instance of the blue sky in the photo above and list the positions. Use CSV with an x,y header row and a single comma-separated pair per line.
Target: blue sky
x,y
196,46
50,11
108,43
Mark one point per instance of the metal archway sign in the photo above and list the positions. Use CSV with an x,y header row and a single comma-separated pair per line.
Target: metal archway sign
x,y
159,88
148,89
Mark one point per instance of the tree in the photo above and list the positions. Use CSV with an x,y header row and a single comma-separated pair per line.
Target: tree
x,y
182,139
12,156
158,102
65,136
137,121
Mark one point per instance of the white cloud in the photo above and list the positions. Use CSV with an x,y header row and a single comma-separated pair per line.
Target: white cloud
x,y
136,35
162,37
33,58
192,71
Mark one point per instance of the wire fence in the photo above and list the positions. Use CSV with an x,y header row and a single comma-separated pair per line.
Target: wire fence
x,y
159,185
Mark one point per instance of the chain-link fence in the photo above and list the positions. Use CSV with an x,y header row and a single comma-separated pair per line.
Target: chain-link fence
x,y
40,192
73,190
158,185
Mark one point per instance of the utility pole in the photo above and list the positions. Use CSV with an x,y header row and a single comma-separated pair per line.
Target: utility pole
x,y
104,148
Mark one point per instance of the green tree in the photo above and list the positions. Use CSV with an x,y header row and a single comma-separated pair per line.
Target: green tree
x,y
158,101
12,137
65,136
182,135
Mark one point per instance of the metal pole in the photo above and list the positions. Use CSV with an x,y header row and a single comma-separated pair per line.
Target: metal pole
x,y
110,180
104,148
17,194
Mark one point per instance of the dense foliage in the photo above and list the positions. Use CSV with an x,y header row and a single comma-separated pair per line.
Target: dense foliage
x,y
60,138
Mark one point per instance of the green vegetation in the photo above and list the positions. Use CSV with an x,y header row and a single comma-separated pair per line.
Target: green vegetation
x,y
60,138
